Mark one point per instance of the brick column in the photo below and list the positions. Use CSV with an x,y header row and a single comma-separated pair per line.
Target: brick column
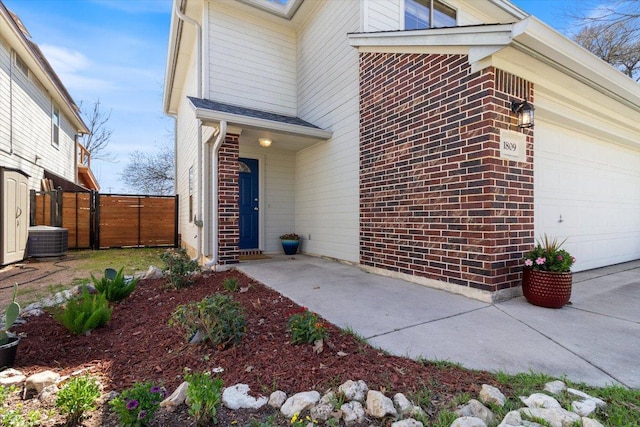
x,y
436,200
228,192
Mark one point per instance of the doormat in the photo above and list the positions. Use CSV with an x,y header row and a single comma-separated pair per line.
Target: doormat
x,y
252,257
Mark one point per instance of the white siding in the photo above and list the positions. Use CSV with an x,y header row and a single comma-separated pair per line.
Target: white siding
x,y
186,157
252,63
588,190
26,126
277,184
382,15
327,186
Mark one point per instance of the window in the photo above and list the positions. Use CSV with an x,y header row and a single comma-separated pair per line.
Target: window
x,y
418,14
55,120
20,65
191,189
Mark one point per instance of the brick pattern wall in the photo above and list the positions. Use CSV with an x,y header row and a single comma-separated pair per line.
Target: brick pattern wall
x,y
436,199
228,192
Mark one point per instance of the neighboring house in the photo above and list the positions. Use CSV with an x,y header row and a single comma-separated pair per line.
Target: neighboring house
x,y
394,145
40,124
39,129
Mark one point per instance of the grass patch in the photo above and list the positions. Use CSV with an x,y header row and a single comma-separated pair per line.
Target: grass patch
x,y
131,259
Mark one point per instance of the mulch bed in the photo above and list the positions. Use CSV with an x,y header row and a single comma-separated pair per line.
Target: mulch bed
x,y
139,345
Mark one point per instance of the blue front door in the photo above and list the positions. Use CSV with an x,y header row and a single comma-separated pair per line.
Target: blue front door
x,y
248,201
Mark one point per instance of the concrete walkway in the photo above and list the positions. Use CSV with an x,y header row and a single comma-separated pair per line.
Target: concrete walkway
x,y
595,340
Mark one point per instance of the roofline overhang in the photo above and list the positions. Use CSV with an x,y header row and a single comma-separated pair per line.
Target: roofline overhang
x,y
237,120
41,70
172,59
529,35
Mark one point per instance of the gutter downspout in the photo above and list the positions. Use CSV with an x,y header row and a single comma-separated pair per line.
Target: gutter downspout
x,y
199,222
213,173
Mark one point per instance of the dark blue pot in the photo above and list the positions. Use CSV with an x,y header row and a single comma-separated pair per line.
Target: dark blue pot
x,y
290,247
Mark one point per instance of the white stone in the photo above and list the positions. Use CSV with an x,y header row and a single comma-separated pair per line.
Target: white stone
x,y
352,412
299,402
476,409
599,402
512,419
237,397
555,387
590,422
490,394
11,376
48,395
322,411
584,408
40,380
556,417
468,422
277,398
176,398
378,405
354,390
403,405
328,397
409,422
540,400
153,273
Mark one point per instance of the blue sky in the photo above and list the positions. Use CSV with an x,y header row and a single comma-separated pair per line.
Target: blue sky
x,y
115,51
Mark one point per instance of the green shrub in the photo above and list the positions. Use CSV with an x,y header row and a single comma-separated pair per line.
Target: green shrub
x,y
137,405
305,327
116,288
77,397
180,267
218,317
203,394
231,284
85,313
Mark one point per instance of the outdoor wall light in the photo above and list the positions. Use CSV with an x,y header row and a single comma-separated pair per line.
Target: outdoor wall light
x,y
265,142
524,110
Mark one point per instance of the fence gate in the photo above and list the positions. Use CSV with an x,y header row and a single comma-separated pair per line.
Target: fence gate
x,y
98,221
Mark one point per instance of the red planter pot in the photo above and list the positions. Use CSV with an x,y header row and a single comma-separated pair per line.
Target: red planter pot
x,y
546,288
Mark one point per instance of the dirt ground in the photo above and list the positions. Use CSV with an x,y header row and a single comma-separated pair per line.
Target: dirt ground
x,y
39,277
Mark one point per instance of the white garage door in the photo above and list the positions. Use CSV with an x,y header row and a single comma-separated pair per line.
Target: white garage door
x,y
587,190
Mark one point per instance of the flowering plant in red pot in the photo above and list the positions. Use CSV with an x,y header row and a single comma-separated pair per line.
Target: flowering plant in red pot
x,y
546,278
548,255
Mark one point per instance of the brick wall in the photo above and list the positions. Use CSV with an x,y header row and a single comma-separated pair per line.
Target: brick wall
x,y
436,199
228,191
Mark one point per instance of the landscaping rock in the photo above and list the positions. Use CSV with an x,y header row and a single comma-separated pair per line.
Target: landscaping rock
x,y
11,376
491,394
468,422
237,397
599,402
48,395
153,273
556,417
299,402
352,413
540,400
378,405
475,409
409,422
590,422
322,411
513,418
39,381
277,398
354,390
176,398
584,408
555,387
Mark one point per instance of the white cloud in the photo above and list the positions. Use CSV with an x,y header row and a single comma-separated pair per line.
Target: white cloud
x,y
64,60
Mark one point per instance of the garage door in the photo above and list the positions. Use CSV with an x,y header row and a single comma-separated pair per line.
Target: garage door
x,y
587,190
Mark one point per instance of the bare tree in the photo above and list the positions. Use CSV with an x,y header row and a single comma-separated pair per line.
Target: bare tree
x,y
611,31
99,134
150,173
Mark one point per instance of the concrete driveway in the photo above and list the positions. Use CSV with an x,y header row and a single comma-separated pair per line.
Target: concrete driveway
x,y
595,340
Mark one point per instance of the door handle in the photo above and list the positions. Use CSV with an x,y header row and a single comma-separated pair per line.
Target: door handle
x,y
18,211
255,209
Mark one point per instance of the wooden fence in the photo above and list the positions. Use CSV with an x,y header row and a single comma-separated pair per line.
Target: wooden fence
x,y
100,221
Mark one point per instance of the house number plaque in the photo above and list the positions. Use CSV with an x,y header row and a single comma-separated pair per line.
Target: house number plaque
x,y
513,145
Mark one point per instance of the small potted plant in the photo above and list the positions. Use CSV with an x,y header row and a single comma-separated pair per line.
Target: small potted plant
x,y
547,278
9,344
290,243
